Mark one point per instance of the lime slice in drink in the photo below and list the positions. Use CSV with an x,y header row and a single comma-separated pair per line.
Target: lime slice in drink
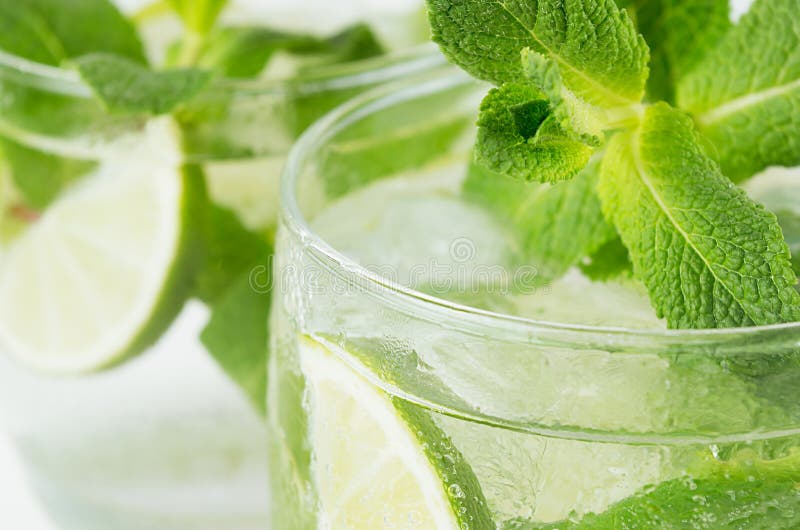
x,y
101,274
380,462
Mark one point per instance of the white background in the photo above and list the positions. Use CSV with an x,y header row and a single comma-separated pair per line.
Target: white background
x,y
18,509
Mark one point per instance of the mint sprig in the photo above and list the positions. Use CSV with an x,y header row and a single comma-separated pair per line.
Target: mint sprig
x,y
745,95
708,255
585,57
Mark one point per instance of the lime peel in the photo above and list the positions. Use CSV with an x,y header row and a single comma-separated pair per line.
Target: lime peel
x,y
380,461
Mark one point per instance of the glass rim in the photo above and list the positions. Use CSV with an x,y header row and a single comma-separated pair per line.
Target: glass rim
x,y
618,338
341,76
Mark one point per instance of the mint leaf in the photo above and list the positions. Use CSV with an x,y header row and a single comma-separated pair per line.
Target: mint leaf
x,y
581,120
127,87
680,33
745,491
555,225
518,136
237,337
602,58
39,177
745,95
230,250
198,16
50,31
702,504
709,256
234,281
421,131
610,261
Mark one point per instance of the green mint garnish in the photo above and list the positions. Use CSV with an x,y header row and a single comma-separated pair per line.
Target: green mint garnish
x,y
680,34
610,261
602,58
745,491
229,250
237,336
555,225
745,96
769,504
51,31
233,281
587,58
708,255
420,135
519,136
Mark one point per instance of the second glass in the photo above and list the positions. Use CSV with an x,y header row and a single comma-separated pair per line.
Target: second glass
x,y
165,440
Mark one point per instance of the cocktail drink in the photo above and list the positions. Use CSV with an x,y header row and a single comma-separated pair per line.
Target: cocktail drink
x,y
138,183
453,348
416,381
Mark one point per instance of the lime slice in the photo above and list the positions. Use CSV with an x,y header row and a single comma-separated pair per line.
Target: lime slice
x,y
380,462
104,271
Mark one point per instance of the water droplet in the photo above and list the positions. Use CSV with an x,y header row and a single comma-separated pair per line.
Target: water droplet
x,y
456,491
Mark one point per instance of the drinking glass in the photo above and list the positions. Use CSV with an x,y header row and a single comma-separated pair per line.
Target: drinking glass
x,y
164,440
423,377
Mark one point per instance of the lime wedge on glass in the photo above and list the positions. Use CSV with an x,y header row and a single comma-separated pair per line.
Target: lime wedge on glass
x,y
104,270
380,462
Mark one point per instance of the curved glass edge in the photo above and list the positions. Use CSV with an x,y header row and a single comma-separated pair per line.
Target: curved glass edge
x,y
470,319
554,430
66,81
230,120
43,77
